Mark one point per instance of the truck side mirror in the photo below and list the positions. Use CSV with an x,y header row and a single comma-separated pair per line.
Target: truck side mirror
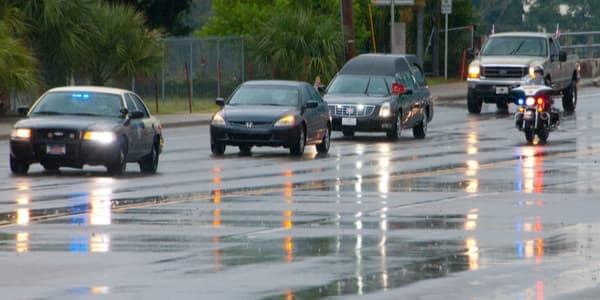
x,y
220,101
562,56
471,54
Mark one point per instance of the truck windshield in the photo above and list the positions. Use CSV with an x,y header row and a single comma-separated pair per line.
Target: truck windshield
x,y
515,46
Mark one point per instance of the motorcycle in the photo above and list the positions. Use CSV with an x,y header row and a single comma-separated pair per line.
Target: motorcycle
x,y
535,114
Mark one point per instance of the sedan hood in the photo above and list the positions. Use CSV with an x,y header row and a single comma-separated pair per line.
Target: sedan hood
x,y
355,99
257,113
69,122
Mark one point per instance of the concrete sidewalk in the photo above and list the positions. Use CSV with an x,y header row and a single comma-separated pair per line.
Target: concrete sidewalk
x,y
440,92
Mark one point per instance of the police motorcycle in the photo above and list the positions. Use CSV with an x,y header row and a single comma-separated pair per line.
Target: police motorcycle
x,y
535,114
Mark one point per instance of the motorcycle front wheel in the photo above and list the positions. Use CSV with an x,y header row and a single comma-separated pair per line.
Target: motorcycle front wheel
x,y
529,134
543,134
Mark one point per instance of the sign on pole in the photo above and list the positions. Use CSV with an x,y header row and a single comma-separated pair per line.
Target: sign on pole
x,y
446,7
388,2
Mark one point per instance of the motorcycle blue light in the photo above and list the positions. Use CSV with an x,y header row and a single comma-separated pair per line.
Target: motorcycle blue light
x,y
520,101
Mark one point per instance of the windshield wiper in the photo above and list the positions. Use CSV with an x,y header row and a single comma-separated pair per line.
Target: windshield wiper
x,y
85,114
518,48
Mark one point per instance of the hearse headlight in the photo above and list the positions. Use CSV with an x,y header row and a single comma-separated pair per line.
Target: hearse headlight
x,y
385,110
103,137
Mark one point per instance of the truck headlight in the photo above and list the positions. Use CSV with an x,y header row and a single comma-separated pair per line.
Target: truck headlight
x,y
535,71
20,134
474,71
103,137
217,120
385,110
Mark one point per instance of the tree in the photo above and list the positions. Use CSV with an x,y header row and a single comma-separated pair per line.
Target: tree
x,y
122,47
19,71
169,16
57,36
299,45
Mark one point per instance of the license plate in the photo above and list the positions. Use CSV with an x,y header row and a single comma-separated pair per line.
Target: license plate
x,y
349,121
528,115
56,149
502,90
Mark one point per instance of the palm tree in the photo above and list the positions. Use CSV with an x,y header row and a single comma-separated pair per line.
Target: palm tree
x,y
58,29
122,47
299,45
16,62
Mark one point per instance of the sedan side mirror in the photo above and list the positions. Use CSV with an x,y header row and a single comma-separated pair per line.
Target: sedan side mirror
x,y
136,114
220,101
22,110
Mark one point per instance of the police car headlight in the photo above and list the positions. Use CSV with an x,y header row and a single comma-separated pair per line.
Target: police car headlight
x,y
20,134
103,137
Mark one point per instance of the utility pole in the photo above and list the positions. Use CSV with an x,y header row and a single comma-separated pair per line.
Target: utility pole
x,y
435,12
348,27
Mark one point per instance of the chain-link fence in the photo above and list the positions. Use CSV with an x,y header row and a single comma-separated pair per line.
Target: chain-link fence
x,y
195,69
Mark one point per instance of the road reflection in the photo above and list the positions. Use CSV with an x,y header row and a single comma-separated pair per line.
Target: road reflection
x,y
472,185
530,171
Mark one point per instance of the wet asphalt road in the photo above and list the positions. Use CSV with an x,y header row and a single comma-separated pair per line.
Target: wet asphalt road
x,y
471,212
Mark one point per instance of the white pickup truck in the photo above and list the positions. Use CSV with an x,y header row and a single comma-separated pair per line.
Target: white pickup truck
x,y
511,59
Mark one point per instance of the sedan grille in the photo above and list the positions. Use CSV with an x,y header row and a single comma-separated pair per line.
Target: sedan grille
x,y
56,135
504,72
250,124
351,110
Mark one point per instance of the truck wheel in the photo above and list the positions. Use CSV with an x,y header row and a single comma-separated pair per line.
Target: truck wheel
x,y
473,103
569,99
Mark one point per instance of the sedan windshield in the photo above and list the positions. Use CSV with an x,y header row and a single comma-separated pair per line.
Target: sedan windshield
x,y
79,103
265,95
359,84
515,46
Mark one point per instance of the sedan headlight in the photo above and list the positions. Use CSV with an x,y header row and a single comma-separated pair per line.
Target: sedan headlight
x,y
104,137
385,110
286,121
20,134
217,120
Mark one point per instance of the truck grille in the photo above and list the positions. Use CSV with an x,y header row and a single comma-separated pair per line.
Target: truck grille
x,y
350,110
504,72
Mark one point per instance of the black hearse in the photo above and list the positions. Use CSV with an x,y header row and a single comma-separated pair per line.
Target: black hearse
x,y
380,93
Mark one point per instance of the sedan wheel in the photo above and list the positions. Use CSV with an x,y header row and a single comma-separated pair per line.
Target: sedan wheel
x,y
396,130
119,165
420,131
149,164
217,148
323,147
18,167
298,147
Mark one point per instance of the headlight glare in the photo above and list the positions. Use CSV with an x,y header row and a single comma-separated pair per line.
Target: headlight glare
x,y
218,120
385,110
474,71
288,120
104,137
21,133
529,101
